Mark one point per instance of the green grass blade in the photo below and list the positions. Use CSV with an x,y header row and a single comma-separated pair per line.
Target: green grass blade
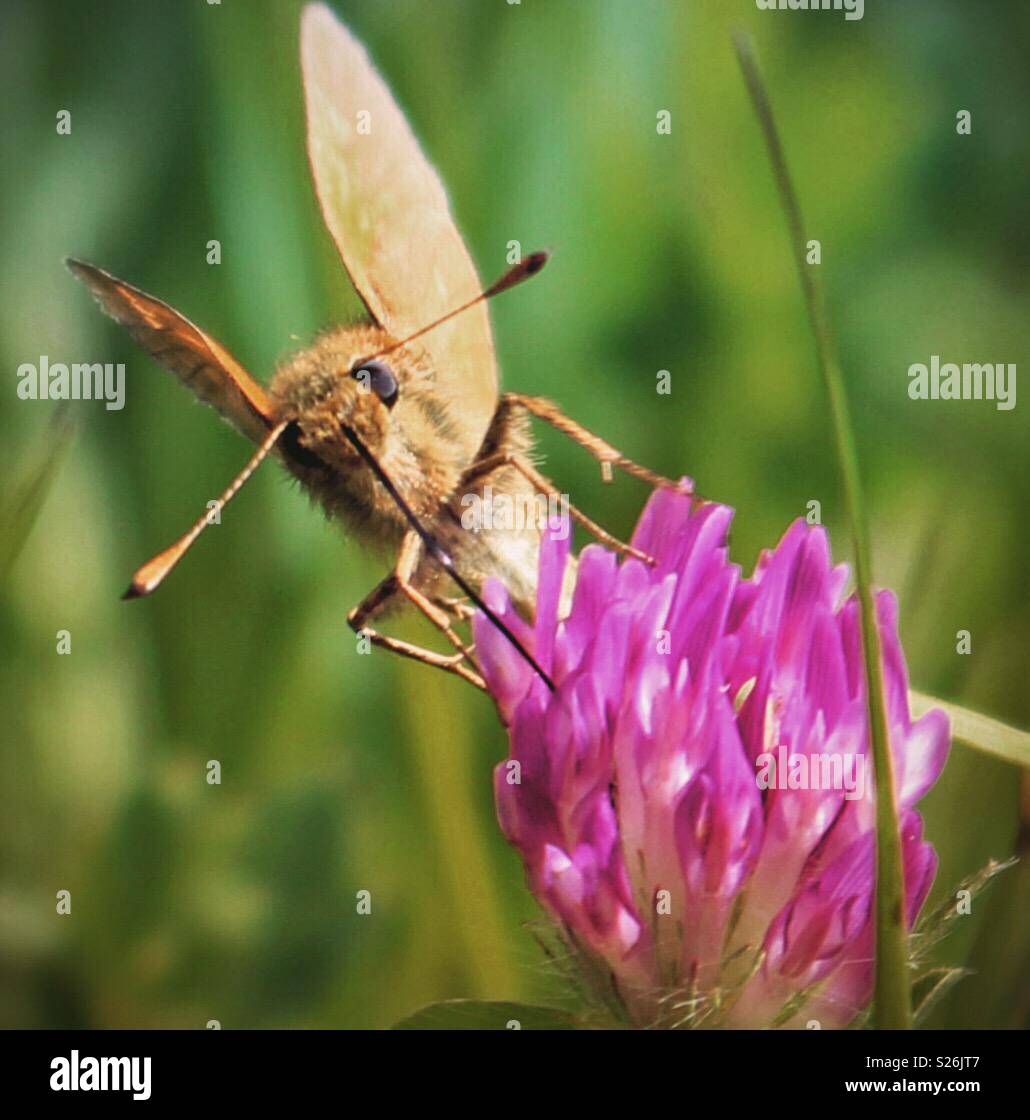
x,y
893,1004
19,512
990,736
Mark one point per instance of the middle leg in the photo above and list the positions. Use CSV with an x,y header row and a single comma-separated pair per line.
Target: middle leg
x,y
545,486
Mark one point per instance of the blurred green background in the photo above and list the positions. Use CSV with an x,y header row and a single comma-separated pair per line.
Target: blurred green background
x,y
343,773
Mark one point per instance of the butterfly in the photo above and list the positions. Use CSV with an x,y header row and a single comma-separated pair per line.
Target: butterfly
x,y
395,425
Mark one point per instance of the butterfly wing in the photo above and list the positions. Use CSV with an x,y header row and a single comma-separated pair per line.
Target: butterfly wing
x,y
195,358
388,213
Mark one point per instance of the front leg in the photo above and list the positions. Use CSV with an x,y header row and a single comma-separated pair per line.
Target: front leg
x,y
399,582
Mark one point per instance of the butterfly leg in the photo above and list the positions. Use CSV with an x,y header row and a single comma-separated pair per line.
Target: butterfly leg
x,y
399,583
407,563
603,451
545,486
462,609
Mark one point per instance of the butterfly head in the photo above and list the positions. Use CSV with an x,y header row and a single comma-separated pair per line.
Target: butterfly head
x,y
388,399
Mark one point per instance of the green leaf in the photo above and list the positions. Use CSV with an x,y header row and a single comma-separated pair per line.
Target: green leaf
x,y
486,1015
978,731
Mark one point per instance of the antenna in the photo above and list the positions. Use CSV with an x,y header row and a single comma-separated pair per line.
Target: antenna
x,y
150,576
528,266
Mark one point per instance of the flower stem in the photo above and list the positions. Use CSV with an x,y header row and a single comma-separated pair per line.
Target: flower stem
x,y
893,1009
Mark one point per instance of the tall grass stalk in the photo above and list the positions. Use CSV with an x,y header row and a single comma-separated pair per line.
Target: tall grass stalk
x,y
893,1004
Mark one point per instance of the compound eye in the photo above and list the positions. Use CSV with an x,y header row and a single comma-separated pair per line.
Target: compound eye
x,y
378,377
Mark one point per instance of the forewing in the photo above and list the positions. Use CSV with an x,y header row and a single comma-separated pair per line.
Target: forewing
x,y
388,213
195,358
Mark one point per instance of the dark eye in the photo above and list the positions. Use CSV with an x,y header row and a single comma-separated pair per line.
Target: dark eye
x,y
378,377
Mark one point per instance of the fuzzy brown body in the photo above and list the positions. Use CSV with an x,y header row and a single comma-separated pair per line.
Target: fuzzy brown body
x,y
416,442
